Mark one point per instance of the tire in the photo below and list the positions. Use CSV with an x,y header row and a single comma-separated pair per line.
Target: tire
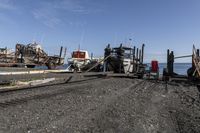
x,y
30,66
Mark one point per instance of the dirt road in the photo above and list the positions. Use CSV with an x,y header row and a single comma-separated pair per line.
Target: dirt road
x,y
113,105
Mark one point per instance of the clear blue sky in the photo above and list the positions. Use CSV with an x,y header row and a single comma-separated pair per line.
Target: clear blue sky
x,y
160,24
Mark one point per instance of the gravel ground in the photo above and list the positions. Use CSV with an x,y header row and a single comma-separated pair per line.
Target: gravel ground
x,y
112,105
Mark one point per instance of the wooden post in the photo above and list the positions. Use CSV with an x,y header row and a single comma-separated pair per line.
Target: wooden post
x,y
168,61
91,56
136,65
61,49
65,52
120,57
142,58
107,52
171,69
133,59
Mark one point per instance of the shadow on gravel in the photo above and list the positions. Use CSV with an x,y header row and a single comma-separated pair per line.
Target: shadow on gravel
x,y
53,84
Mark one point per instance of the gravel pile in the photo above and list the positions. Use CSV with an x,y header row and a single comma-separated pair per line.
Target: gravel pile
x,y
113,105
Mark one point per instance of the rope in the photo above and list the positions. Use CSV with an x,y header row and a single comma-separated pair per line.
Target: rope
x,y
98,63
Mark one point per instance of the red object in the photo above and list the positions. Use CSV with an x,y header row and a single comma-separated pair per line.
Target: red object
x,y
78,54
154,66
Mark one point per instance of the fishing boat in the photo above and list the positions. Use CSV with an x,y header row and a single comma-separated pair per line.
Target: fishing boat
x,y
81,61
121,60
124,59
78,59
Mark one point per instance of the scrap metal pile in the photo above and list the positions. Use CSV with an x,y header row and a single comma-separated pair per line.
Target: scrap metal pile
x,y
30,55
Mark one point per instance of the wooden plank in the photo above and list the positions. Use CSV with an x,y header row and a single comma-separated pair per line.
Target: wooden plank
x,y
196,60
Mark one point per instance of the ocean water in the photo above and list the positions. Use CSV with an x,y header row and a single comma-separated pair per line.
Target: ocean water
x,y
179,68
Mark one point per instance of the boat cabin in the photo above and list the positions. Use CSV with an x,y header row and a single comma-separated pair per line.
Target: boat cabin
x,y
80,54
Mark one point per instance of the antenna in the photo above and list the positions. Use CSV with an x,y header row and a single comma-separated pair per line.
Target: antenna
x,y
115,38
42,39
82,38
130,41
34,38
79,47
